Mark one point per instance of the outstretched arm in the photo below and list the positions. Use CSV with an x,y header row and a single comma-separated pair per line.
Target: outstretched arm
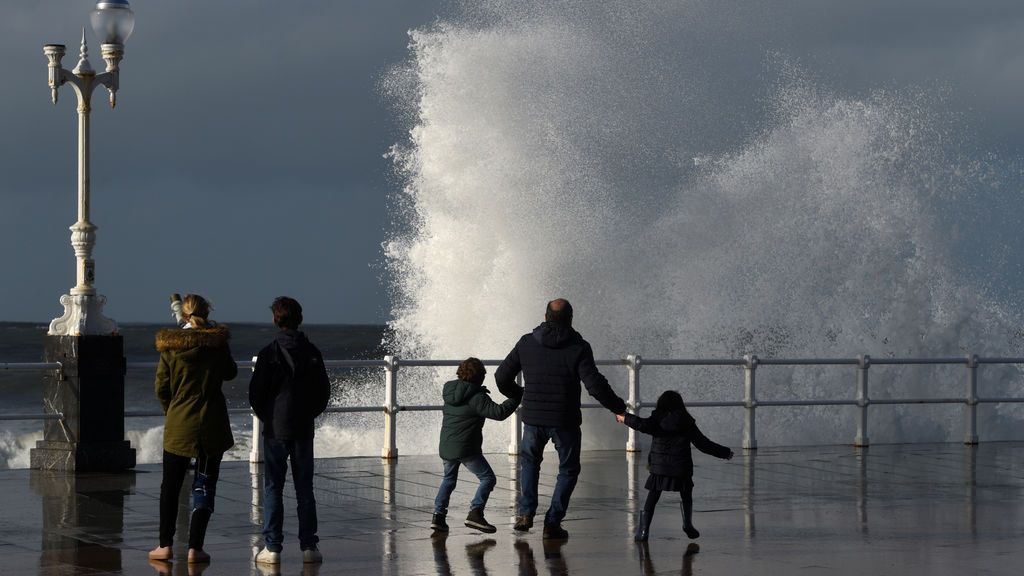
x,y
702,443
488,408
644,425
505,375
596,384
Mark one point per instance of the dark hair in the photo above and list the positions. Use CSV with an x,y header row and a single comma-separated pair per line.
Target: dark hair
x,y
471,370
287,312
559,312
671,401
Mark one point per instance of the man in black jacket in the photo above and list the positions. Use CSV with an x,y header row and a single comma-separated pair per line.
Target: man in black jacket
x,y
288,390
554,358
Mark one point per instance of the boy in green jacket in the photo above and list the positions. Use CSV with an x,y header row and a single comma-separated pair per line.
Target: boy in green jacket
x,y
466,405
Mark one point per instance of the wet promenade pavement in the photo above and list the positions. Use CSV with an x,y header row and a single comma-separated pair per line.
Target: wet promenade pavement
x,y
904,509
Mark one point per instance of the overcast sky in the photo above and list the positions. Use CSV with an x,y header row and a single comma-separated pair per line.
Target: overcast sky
x,y
245,157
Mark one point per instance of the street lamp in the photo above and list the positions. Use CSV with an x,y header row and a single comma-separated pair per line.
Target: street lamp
x,y
112,20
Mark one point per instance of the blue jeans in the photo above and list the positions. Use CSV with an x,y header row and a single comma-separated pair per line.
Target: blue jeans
x,y
476,464
531,454
275,466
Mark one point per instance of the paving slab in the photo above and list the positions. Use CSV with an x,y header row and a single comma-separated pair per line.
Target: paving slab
x,y
892,509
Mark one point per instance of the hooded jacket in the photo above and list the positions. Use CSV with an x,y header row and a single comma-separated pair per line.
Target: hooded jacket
x,y
193,366
466,405
673,433
289,386
554,360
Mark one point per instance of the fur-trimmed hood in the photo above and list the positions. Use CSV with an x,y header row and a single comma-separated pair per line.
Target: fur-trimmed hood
x,y
180,339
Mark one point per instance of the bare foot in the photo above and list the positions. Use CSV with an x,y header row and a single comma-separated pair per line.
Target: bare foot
x,y
161,553
197,556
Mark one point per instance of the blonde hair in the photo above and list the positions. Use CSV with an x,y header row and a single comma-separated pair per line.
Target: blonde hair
x,y
196,310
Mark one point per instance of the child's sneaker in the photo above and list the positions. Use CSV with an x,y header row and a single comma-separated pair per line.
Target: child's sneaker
x,y
476,520
438,524
312,556
268,556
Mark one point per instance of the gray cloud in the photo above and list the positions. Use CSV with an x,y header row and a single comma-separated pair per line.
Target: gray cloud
x,y
244,158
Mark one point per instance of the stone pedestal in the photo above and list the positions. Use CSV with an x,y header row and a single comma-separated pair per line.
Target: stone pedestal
x,y
89,392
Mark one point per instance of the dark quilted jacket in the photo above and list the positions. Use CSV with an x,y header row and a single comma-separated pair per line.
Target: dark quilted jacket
x,y
673,433
554,360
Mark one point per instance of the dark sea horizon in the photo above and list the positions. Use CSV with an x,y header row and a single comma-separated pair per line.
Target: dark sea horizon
x,y
21,392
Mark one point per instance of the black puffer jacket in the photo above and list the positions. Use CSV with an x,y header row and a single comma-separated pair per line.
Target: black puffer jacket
x,y
673,433
553,361
289,386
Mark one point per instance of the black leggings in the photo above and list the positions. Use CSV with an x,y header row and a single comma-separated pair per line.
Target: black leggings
x,y
687,495
204,492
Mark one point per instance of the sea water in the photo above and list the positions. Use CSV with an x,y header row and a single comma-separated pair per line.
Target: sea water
x,y
337,434
695,194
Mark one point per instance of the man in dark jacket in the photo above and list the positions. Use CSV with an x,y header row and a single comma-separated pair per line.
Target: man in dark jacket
x,y
554,358
466,405
288,390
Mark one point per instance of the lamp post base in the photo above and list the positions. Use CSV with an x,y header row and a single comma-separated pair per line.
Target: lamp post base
x,y
88,393
83,315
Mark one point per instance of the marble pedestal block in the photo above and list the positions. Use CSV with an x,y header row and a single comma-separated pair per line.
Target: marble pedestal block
x,y
89,392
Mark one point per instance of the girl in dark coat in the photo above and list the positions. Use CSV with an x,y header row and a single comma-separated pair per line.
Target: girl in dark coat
x,y
195,360
671,464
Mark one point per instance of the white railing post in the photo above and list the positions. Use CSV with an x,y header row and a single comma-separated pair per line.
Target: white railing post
x,y
256,448
515,429
972,400
633,364
863,364
750,401
390,449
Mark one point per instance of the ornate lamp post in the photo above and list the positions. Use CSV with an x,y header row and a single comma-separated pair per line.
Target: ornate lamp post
x,y
88,392
113,21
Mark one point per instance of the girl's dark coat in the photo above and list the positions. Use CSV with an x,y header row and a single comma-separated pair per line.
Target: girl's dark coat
x,y
673,433
194,364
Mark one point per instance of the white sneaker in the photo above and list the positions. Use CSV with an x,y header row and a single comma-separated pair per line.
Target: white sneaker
x,y
312,556
266,556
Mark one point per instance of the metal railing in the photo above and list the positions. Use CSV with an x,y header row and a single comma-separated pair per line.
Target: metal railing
x,y
750,364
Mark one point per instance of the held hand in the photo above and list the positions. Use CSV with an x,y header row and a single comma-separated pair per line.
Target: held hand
x,y
620,418
730,455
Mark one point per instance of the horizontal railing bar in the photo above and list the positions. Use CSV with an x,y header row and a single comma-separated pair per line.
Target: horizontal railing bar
x,y
420,408
691,362
342,409
918,401
39,416
999,400
30,366
897,361
761,403
807,361
1000,360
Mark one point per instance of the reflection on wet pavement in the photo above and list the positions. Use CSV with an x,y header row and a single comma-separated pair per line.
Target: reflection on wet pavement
x,y
935,509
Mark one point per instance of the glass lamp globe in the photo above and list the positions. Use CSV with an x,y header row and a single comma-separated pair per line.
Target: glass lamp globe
x,y
112,21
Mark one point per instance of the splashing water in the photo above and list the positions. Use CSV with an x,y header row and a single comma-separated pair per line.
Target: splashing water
x,y
607,156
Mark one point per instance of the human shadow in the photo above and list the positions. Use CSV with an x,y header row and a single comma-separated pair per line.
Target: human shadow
x,y
647,564
554,561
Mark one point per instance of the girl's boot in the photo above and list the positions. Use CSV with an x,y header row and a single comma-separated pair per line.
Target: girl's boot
x,y
643,526
687,507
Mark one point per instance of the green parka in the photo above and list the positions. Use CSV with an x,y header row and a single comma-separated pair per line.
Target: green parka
x,y
194,364
466,405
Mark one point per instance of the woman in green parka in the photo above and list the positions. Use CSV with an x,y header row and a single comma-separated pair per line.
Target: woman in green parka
x,y
466,405
195,360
